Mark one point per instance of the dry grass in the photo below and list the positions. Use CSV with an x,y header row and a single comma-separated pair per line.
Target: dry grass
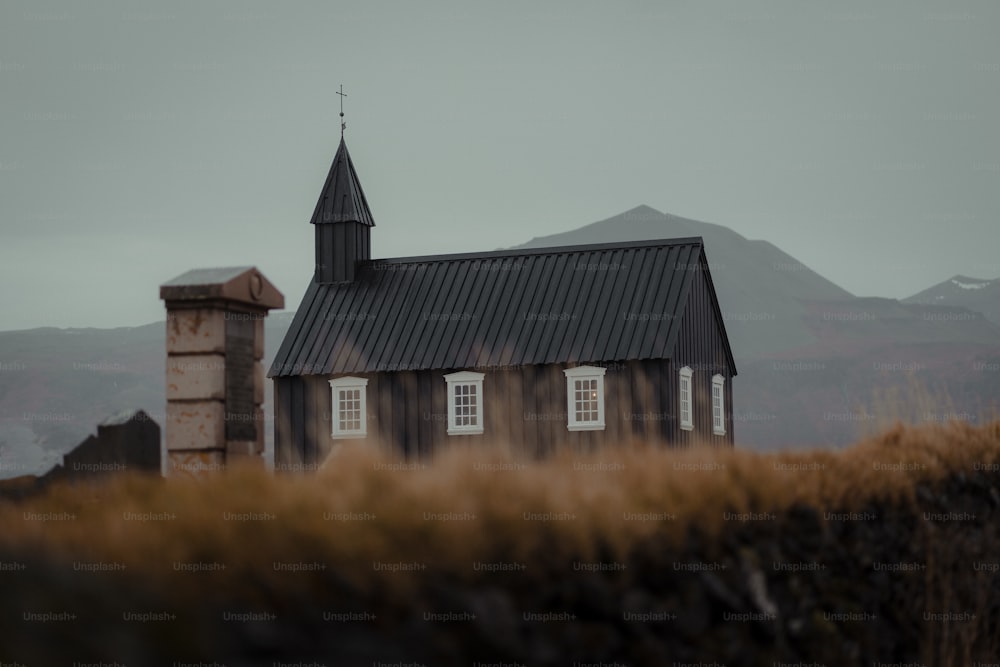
x,y
916,402
697,486
300,520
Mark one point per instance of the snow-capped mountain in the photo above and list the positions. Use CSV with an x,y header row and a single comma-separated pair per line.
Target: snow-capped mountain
x,y
976,294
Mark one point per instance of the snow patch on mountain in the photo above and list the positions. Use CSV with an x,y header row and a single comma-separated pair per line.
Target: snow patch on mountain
x,y
964,285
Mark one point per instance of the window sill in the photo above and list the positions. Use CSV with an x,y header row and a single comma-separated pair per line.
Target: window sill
x,y
687,427
354,435
585,427
465,431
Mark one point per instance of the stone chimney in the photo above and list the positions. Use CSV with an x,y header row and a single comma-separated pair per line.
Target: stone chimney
x,y
215,379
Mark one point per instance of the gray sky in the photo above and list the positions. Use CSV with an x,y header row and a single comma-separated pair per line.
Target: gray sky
x,y
143,139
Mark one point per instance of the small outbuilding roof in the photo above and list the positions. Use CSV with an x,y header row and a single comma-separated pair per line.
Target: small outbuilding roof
x,y
126,416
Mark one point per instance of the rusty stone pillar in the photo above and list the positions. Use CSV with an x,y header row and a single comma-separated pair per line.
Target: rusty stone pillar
x,y
215,378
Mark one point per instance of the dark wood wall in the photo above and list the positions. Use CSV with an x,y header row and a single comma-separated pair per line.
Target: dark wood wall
x,y
524,410
524,407
701,346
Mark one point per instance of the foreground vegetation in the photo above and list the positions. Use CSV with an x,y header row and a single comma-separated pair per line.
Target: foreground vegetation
x,y
883,552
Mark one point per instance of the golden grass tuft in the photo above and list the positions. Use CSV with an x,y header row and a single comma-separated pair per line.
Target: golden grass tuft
x,y
300,517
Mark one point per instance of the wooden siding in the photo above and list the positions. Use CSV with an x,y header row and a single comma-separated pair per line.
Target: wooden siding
x,y
408,413
701,346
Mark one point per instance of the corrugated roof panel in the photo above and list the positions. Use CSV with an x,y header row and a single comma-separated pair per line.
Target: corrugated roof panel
x,y
598,310
521,328
423,301
477,303
486,313
339,342
516,328
613,296
679,299
671,293
659,306
436,343
639,271
418,315
467,317
551,292
645,315
398,321
682,297
400,324
287,360
577,304
344,345
656,308
370,286
381,298
524,289
565,314
507,287
315,346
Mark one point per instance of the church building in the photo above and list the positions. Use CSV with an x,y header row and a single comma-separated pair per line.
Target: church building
x,y
532,349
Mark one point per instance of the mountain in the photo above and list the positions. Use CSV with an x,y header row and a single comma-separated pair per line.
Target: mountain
x,y
758,284
817,366
980,296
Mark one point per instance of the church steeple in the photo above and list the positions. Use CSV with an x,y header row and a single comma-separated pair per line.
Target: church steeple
x,y
343,220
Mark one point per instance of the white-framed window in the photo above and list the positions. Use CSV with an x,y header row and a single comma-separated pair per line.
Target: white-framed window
x,y
684,394
349,418
465,402
718,405
585,398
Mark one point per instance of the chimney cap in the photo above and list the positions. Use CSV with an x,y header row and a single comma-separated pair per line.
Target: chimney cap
x,y
238,284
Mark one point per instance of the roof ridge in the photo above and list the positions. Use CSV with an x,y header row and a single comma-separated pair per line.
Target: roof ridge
x,y
547,250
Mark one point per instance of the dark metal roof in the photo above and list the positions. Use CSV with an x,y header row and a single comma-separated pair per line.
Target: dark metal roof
x,y
572,304
342,199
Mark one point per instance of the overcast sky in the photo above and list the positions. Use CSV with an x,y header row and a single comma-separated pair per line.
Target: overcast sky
x,y
142,140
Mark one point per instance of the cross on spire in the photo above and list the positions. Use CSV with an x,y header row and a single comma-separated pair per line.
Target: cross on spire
x,y
343,125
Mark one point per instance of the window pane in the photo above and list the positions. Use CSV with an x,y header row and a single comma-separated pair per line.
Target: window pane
x,y
349,410
585,400
685,399
718,416
465,404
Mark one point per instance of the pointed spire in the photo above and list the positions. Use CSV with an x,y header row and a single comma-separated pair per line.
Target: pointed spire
x,y
342,199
